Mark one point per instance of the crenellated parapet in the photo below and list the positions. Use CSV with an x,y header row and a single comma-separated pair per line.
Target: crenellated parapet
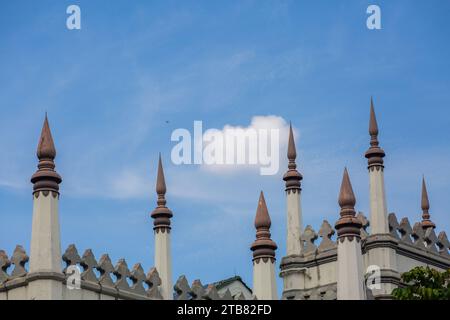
x,y
198,291
82,276
321,244
12,268
112,280
422,245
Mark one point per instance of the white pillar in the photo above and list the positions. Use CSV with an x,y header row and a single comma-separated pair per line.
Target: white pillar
x,y
383,257
294,222
350,285
45,248
264,283
378,209
350,281
162,228
293,202
375,155
45,251
163,262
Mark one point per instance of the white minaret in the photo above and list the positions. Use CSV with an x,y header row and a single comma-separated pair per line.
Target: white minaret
x,y
45,248
375,155
163,255
264,284
293,204
383,256
350,284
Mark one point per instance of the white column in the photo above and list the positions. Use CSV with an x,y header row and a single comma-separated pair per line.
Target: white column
x,y
350,284
382,257
378,208
45,251
161,222
45,272
264,283
294,221
163,261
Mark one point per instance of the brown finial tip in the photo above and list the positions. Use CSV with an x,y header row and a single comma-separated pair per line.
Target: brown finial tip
x,y
292,176
160,180
374,154
425,204
262,218
46,179
348,224
292,153
373,126
161,214
346,195
46,147
263,247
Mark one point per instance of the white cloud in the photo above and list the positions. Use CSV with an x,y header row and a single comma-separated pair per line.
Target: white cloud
x,y
250,154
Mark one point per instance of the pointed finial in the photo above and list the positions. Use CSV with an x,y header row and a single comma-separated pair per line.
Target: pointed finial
x,y
46,178
161,214
348,224
346,196
160,180
292,176
262,218
292,153
374,154
263,247
373,126
425,204
46,147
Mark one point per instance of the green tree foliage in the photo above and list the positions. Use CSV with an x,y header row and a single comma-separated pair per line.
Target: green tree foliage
x,y
424,283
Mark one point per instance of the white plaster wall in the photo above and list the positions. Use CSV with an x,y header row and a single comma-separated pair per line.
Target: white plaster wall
x,y
44,290
79,294
320,275
406,264
385,258
294,280
106,297
20,293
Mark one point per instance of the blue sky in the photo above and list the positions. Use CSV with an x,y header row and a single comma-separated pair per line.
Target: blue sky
x,y
110,88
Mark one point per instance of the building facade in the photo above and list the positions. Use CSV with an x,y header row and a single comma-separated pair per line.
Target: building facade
x,y
369,254
357,258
